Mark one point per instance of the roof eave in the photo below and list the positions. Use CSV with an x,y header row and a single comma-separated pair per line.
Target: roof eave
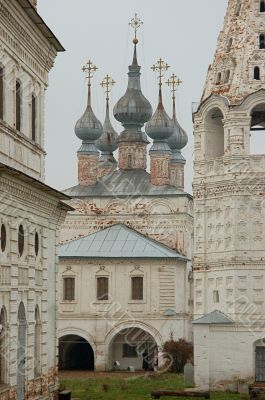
x,y
31,11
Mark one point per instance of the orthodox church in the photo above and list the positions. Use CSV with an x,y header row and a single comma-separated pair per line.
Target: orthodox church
x,y
124,279
229,195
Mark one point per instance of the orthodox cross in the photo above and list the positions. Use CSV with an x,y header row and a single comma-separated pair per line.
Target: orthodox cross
x,y
107,84
135,24
160,66
89,68
174,82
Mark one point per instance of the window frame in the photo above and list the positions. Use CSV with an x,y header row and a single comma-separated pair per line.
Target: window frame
x,y
136,298
18,113
105,296
126,353
34,117
73,290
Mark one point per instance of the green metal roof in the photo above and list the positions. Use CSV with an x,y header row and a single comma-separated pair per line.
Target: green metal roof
x,y
215,317
117,241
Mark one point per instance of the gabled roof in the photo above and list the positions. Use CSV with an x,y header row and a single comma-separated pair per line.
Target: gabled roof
x,y
117,241
215,317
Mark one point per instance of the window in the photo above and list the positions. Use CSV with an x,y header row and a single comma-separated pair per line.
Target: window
x,y
262,6
215,296
257,73
229,45
21,240
1,93
37,244
262,41
69,289
129,351
3,238
33,117
129,161
18,106
137,288
102,288
218,79
37,343
227,76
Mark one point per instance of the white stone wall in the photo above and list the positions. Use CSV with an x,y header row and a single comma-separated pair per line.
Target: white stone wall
x,y
165,287
28,57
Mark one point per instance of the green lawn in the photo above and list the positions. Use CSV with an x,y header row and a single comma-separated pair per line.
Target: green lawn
x,y
128,388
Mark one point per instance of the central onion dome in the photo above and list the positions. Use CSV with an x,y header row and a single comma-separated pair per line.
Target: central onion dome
x,y
88,128
179,139
133,108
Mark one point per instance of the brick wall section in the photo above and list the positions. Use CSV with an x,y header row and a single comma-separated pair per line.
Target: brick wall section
x,y
87,169
160,174
132,155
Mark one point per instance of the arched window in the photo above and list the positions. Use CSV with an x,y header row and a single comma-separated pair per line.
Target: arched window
x,y
218,79
3,238
262,6
262,41
129,161
257,73
37,343
37,244
18,105
21,240
214,134
229,45
3,346
33,117
227,76
1,92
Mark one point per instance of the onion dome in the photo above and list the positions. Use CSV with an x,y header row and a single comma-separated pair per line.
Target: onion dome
x,y
108,141
88,128
179,139
133,108
160,127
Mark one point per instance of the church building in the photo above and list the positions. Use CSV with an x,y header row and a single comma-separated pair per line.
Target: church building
x,y
124,281
30,211
229,199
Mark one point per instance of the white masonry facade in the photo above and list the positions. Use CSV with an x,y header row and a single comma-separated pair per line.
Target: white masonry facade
x,y
229,200
30,211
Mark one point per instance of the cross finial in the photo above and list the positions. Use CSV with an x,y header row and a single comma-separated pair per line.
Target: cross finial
x,y
89,68
160,66
174,82
107,84
135,24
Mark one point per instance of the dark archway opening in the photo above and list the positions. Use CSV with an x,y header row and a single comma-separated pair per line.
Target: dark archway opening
x,y
257,130
75,353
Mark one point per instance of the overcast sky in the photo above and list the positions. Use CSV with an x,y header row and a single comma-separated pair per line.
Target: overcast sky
x,y
183,33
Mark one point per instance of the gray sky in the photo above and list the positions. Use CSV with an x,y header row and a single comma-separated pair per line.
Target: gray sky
x,y
183,33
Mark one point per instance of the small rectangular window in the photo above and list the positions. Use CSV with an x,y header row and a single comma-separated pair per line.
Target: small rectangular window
x,y
129,351
69,289
18,106
215,296
102,288
137,288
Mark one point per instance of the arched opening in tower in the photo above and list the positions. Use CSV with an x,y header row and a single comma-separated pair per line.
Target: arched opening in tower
x,y
75,353
257,130
214,134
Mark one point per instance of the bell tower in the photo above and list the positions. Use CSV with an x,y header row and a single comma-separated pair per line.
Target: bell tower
x,y
229,204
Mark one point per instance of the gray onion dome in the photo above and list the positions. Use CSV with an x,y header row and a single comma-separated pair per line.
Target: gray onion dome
x,y
88,128
108,141
179,139
160,126
133,108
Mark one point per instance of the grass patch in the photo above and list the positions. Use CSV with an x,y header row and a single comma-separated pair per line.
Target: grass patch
x,y
129,388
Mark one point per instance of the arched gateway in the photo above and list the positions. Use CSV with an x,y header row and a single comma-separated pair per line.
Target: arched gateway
x,y
75,353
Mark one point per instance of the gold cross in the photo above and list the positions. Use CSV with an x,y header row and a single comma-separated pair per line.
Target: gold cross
x,y
173,83
107,84
160,66
89,68
135,24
